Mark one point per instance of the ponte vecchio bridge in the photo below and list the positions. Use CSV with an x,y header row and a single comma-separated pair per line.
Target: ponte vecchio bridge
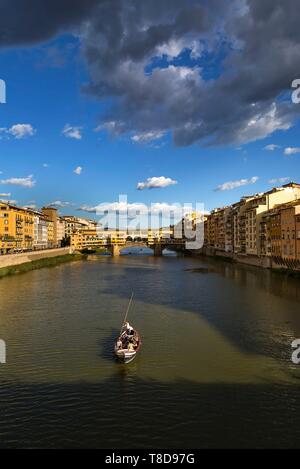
x,y
157,246
115,241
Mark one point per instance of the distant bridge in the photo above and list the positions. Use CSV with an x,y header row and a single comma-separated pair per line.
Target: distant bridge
x,y
157,246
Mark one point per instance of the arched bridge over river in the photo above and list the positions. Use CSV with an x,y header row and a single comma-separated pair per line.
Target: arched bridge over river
x,y
157,246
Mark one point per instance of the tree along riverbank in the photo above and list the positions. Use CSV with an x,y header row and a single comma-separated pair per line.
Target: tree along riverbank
x,y
39,264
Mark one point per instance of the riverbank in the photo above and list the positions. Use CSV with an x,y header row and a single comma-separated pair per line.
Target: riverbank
x,y
276,264
39,264
93,251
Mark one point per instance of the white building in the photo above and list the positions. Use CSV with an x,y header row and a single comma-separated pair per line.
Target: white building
x,y
40,232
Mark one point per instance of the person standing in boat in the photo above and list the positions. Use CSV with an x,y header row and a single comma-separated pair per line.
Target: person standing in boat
x,y
129,329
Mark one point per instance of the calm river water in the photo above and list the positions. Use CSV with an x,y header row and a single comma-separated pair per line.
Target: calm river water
x,y
215,368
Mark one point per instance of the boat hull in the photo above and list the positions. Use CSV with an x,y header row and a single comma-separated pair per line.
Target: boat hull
x,y
125,355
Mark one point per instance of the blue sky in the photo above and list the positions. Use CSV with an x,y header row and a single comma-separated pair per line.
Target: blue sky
x,y
45,91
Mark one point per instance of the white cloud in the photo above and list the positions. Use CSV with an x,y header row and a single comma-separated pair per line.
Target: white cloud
x,y
227,186
291,150
6,201
271,147
45,165
156,183
72,132
24,182
31,206
174,47
59,204
109,126
18,131
263,124
279,180
78,170
133,208
5,195
146,137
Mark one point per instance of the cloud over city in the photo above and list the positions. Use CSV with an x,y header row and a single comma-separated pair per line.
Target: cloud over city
x,y
59,204
134,54
282,180
156,183
227,186
135,209
27,182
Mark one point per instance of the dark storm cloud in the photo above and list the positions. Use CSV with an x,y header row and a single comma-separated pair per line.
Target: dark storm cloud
x,y
120,37
239,106
24,22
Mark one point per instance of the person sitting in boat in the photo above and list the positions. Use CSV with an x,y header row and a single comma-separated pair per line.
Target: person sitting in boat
x,y
119,345
131,347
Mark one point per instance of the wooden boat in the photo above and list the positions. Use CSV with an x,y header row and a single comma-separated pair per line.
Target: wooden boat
x,y
124,354
128,344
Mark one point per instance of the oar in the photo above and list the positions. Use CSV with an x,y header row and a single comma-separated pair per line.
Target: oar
x,y
127,311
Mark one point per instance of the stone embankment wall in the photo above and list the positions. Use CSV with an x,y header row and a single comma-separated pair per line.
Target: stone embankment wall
x,y
264,262
8,260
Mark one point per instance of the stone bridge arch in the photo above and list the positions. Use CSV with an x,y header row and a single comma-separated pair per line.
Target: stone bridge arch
x,y
116,249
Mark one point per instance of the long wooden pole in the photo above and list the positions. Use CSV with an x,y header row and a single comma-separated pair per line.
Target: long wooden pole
x,y
127,311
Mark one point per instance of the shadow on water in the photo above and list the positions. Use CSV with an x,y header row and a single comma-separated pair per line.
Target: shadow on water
x,y
233,298
106,345
146,414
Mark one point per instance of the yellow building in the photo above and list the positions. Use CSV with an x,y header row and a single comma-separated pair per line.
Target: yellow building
x,y
16,228
290,235
87,239
280,232
51,214
51,232
114,236
218,231
93,239
250,214
153,236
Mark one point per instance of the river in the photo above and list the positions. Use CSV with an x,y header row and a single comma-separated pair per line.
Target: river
x,y
215,367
